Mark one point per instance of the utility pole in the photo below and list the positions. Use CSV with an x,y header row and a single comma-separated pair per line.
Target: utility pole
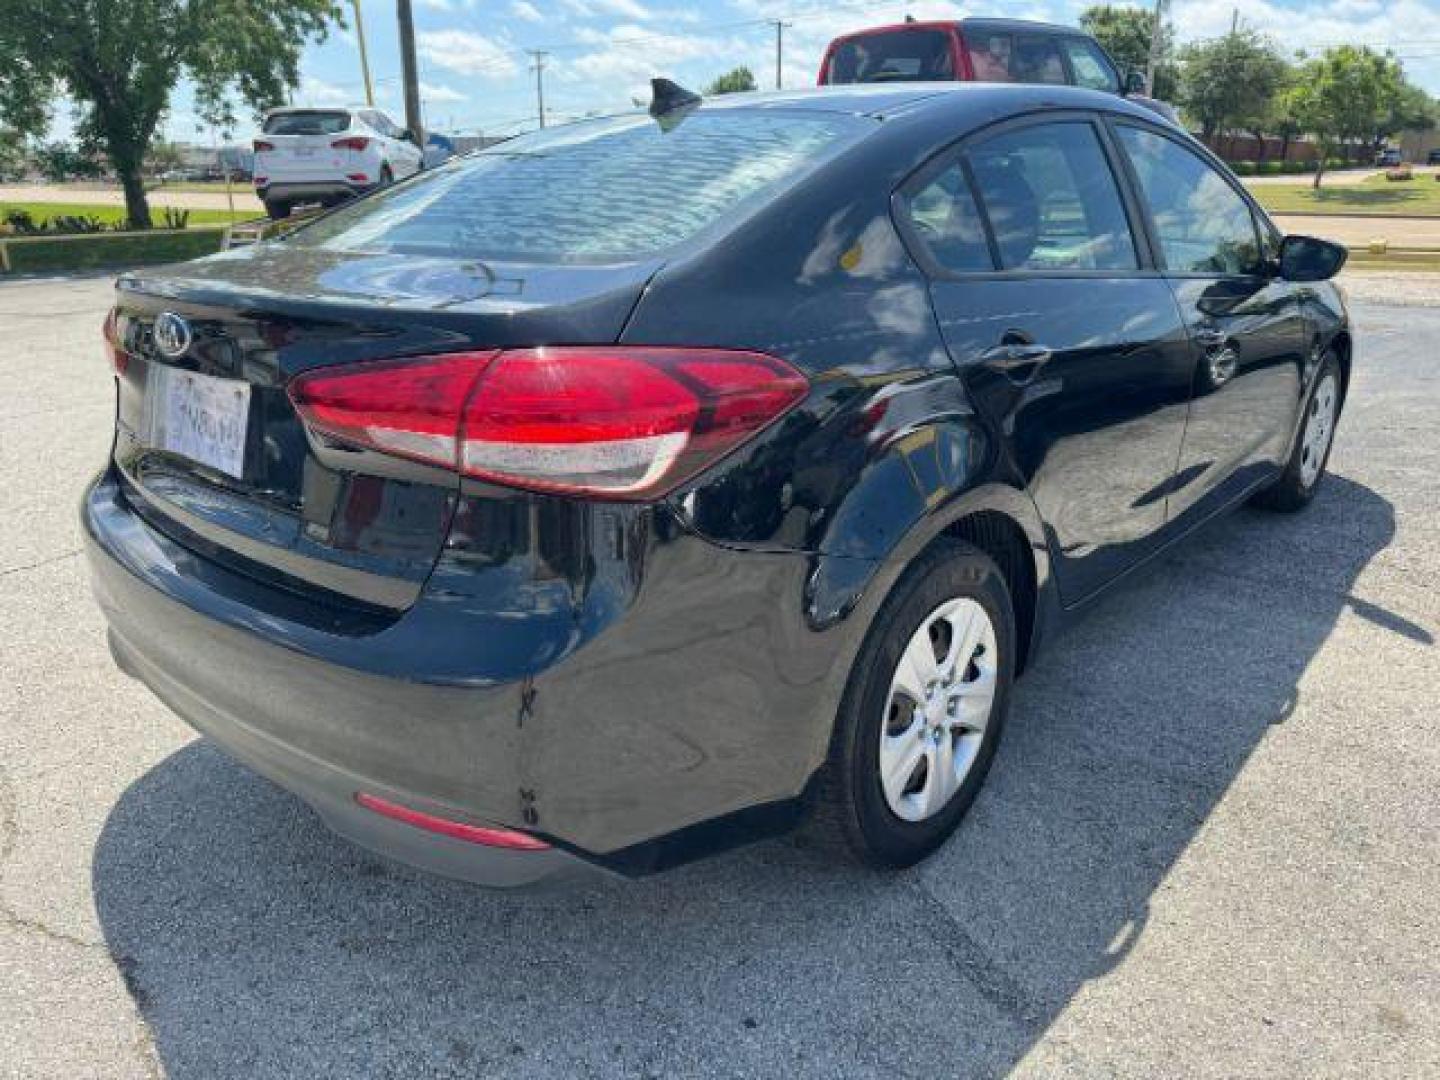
x,y
779,47
409,74
1157,35
539,69
364,56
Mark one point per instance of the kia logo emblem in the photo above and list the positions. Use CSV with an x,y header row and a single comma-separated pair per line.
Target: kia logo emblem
x,y
172,334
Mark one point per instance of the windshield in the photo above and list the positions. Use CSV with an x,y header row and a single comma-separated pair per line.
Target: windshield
x,y
892,56
601,190
327,122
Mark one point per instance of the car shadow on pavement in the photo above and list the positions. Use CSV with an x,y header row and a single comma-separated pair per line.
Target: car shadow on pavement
x,y
257,944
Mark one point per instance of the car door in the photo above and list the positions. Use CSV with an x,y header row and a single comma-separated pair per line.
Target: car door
x,y
1062,330
406,155
1245,323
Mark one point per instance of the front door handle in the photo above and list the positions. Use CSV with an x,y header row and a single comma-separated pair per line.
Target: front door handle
x,y
1014,357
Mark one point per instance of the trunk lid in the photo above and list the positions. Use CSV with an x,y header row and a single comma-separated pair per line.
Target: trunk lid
x,y
211,451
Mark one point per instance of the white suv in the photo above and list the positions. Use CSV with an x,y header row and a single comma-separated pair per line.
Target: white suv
x,y
328,156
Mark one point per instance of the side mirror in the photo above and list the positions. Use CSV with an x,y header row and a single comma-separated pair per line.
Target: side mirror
x,y
1306,258
1134,83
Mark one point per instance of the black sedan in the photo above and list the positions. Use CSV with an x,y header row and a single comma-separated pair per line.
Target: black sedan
x,y
642,486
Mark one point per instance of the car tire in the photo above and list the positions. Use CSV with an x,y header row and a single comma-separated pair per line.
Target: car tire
x,y
1311,454
897,824
277,209
386,176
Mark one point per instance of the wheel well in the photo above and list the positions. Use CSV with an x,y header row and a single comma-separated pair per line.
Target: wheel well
x,y
1000,537
1342,346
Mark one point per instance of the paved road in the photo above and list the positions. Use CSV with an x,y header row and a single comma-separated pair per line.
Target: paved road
x,y
1209,847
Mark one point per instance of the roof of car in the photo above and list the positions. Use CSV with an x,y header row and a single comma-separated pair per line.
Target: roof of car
x,y
975,22
888,99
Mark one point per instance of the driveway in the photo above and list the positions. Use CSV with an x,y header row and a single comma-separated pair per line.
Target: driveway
x,y
1209,846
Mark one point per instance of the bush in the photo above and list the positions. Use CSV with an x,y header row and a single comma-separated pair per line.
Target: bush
x,y
1243,168
176,218
1269,168
1399,172
41,254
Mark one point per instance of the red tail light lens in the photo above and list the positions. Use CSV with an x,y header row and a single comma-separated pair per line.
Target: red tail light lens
x,y
261,146
353,142
616,422
114,351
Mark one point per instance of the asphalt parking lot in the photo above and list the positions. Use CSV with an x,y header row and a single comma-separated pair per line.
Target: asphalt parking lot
x,y
1210,846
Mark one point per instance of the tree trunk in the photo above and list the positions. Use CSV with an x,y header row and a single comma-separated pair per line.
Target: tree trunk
x,y
1319,170
137,206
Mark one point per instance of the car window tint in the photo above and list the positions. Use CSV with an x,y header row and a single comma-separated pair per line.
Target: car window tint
x,y
595,191
894,56
946,219
989,56
1202,223
1091,67
1052,200
1034,58
318,122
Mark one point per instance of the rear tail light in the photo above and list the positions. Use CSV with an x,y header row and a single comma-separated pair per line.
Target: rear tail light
x,y
260,181
114,351
261,146
615,422
486,835
353,142
358,177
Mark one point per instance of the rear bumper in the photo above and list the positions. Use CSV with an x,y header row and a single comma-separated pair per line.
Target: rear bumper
x,y
650,729
310,190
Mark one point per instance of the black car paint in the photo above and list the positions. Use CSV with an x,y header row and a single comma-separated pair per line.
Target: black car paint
x,y
641,683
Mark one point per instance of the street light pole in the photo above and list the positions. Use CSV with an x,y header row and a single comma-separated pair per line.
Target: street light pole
x,y
779,48
364,56
540,82
409,73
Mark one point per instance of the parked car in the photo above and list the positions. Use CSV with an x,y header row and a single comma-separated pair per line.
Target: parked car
x,y
1389,156
980,50
327,156
1433,157
526,517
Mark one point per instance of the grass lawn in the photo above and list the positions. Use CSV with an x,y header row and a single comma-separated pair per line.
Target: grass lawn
x,y
1377,196
43,210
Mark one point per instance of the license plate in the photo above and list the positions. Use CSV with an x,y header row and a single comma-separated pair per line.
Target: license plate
x,y
305,151
199,417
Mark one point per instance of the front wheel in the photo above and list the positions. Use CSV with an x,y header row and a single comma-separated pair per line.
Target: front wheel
x,y
1306,467
277,209
922,713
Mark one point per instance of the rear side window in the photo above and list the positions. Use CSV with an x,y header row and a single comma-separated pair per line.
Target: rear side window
x,y
1202,223
1091,66
989,55
895,56
603,190
945,217
1051,200
317,122
1036,59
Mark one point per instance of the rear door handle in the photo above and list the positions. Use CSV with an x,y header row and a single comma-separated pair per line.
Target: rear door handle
x,y
1012,357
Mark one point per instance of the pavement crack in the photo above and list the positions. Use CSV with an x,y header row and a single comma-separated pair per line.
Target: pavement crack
x,y
966,956
43,562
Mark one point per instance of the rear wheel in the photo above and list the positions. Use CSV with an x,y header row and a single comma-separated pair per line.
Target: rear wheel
x,y
1306,467
922,714
277,209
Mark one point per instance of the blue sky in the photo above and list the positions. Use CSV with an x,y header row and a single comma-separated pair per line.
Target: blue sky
x,y
476,74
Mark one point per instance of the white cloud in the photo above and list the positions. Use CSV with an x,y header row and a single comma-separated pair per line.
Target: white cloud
x,y
467,54
432,93
523,9
315,91
436,5
590,9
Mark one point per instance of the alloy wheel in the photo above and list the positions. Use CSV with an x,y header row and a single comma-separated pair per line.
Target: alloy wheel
x,y
1319,430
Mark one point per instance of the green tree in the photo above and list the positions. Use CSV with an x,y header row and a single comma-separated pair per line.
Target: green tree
x,y
58,162
1231,81
1410,109
1345,95
12,154
119,61
732,82
1124,32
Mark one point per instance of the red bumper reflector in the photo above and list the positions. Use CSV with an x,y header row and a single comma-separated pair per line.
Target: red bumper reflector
x,y
486,835
358,177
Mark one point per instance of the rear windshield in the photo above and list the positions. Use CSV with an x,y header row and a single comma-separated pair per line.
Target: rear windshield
x,y
894,56
597,191
317,122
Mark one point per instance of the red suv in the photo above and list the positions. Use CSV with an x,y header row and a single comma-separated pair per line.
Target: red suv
x,y
973,50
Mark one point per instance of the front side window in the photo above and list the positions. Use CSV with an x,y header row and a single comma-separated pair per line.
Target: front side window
x,y
946,219
1202,223
1091,66
894,56
1052,201
596,191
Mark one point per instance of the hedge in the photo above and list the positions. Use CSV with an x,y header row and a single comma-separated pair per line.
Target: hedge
x,y
93,251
